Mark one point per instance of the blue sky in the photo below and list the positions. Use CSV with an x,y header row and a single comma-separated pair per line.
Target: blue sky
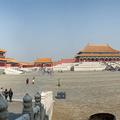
x,y
31,29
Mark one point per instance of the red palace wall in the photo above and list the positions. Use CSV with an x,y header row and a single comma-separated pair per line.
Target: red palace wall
x,y
68,60
47,65
2,55
43,65
28,66
39,65
64,61
8,65
98,60
2,64
12,65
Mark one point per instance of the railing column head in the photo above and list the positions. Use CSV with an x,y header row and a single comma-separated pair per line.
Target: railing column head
x,y
37,99
27,101
37,96
27,105
3,108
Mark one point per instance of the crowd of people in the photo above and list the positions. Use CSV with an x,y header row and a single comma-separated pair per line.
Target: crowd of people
x,y
7,93
43,71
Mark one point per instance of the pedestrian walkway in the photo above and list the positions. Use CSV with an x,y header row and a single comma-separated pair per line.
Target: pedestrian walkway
x,y
19,87
87,93
14,110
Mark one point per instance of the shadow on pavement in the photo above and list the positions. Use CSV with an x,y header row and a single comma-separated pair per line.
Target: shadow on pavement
x,y
13,116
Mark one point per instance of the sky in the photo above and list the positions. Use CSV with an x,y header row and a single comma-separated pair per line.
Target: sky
x,y
57,29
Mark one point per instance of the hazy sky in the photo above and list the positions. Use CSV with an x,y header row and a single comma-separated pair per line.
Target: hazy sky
x,y
31,29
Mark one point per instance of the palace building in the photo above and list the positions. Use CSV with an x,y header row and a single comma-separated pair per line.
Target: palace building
x,y
94,53
26,65
2,58
43,62
12,63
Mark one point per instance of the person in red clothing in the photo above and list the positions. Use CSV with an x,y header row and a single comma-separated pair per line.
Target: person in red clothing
x,y
27,81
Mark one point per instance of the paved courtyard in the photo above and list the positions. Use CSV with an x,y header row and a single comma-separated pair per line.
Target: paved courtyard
x,y
87,93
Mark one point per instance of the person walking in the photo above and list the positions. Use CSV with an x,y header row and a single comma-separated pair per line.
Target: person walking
x,y
6,94
1,91
33,80
27,81
10,95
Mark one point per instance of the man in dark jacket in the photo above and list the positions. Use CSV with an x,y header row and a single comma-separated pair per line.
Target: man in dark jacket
x,y
10,94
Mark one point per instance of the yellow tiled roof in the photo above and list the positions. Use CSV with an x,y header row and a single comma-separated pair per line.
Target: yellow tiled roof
x,y
11,60
1,50
43,60
22,63
99,48
3,59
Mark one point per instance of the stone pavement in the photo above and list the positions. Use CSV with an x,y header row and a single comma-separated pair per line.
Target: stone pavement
x,y
87,93
14,109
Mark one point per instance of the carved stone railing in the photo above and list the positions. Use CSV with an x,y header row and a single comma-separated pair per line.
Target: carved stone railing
x,y
47,104
42,110
3,108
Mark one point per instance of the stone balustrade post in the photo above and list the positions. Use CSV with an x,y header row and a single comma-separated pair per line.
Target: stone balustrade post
x,y
43,98
3,108
38,103
37,99
27,106
42,112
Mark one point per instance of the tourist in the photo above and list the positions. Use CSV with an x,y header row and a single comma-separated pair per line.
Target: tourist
x,y
1,91
6,94
33,80
10,95
27,81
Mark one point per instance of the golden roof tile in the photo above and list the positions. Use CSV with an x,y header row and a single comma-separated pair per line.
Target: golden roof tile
x,y
9,60
99,48
22,63
3,59
1,50
43,60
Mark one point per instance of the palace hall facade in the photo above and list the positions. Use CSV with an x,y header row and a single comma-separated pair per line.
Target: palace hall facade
x,y
100,53
43,62
2,58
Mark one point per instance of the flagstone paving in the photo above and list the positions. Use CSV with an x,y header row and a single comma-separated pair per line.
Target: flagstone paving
x,y
87,93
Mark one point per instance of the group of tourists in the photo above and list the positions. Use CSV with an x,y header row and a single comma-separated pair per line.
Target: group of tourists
x,y
43,71
7,93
